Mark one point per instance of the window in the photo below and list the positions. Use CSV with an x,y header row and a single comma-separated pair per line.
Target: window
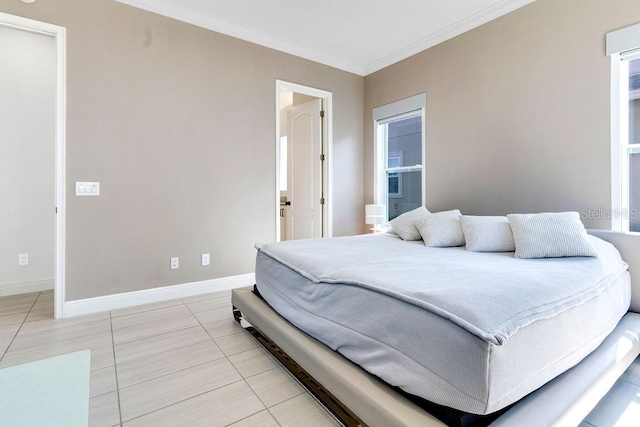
x,y
630,142
624,48
399,155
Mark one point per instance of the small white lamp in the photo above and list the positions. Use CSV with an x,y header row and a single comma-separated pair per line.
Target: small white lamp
x,y
374,215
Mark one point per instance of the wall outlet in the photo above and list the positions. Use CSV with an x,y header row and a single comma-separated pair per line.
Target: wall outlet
x,y
205,259
175,263
23,259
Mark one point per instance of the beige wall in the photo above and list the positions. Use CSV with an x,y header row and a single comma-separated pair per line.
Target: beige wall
x,y
178,125
27,144
518,110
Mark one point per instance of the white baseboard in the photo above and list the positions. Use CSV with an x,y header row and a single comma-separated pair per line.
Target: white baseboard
x,y
9,289
147,296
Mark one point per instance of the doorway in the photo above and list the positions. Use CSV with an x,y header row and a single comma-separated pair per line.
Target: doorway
x,y
303,162
32,55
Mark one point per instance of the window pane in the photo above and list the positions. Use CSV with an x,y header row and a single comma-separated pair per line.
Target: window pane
x,y
634,191
634,101
634,138
404,146
407,194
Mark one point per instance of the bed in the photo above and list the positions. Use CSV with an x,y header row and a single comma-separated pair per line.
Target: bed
x,y
474,362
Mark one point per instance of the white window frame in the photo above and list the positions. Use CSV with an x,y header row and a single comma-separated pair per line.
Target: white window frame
x,y
623,46
404,108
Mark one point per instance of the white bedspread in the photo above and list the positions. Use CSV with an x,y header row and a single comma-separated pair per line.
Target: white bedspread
x,y
491,295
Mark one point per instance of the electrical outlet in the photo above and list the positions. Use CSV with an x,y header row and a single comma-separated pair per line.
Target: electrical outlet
x,y
205,259
23,259
175,263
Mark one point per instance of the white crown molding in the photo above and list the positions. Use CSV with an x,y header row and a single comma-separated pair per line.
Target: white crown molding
x,y
467,24
148,296
190,16
185,14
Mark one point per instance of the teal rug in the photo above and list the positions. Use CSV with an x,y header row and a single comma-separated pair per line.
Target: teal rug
x,y
50,392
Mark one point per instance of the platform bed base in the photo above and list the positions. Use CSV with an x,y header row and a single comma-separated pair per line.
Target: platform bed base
x,y
357,398
328,400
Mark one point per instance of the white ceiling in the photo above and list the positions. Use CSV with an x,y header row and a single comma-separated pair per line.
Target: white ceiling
x,y
360,36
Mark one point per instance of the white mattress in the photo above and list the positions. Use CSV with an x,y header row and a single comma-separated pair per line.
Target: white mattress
x,y
424,351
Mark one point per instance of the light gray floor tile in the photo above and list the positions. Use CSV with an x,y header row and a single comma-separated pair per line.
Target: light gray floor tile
x,y
215,315
143,398
4,345
261,419
8,332
36,339
103,411
274,386
40,312
252,362
302,410
632,374
151,316
210,304
620,407
13,319
50,324
17,300
103,381
160,343
236,343
102,358
145,307
15,309
45,296
223,328
209,296
90,342
134,333
219,407
147,368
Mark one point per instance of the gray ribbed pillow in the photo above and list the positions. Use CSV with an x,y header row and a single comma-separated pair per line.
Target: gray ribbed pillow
x,y
550,235
405,224
442,229
487,233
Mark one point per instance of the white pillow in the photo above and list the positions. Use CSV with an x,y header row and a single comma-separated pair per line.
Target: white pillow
x,y
441,229
487,233
550,235
404,225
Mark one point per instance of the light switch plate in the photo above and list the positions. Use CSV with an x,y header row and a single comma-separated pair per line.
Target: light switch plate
x,y
87,188
175,263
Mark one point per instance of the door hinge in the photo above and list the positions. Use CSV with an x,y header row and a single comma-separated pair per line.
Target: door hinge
x,y
56,209
321,113
322,157
322,200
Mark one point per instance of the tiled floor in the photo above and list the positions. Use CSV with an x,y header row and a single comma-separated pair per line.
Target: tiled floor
x,y
187,362
180,362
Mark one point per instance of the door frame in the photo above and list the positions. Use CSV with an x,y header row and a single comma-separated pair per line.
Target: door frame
x,y
327,142
59,34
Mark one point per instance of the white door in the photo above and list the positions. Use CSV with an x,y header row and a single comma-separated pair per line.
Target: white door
x,y
304,177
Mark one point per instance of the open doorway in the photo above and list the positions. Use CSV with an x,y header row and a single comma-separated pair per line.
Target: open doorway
x,y
32,163
303,163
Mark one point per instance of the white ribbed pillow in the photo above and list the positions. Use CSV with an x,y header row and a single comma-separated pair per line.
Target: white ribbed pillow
x,y
550,235
404,225
487,233
441,229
